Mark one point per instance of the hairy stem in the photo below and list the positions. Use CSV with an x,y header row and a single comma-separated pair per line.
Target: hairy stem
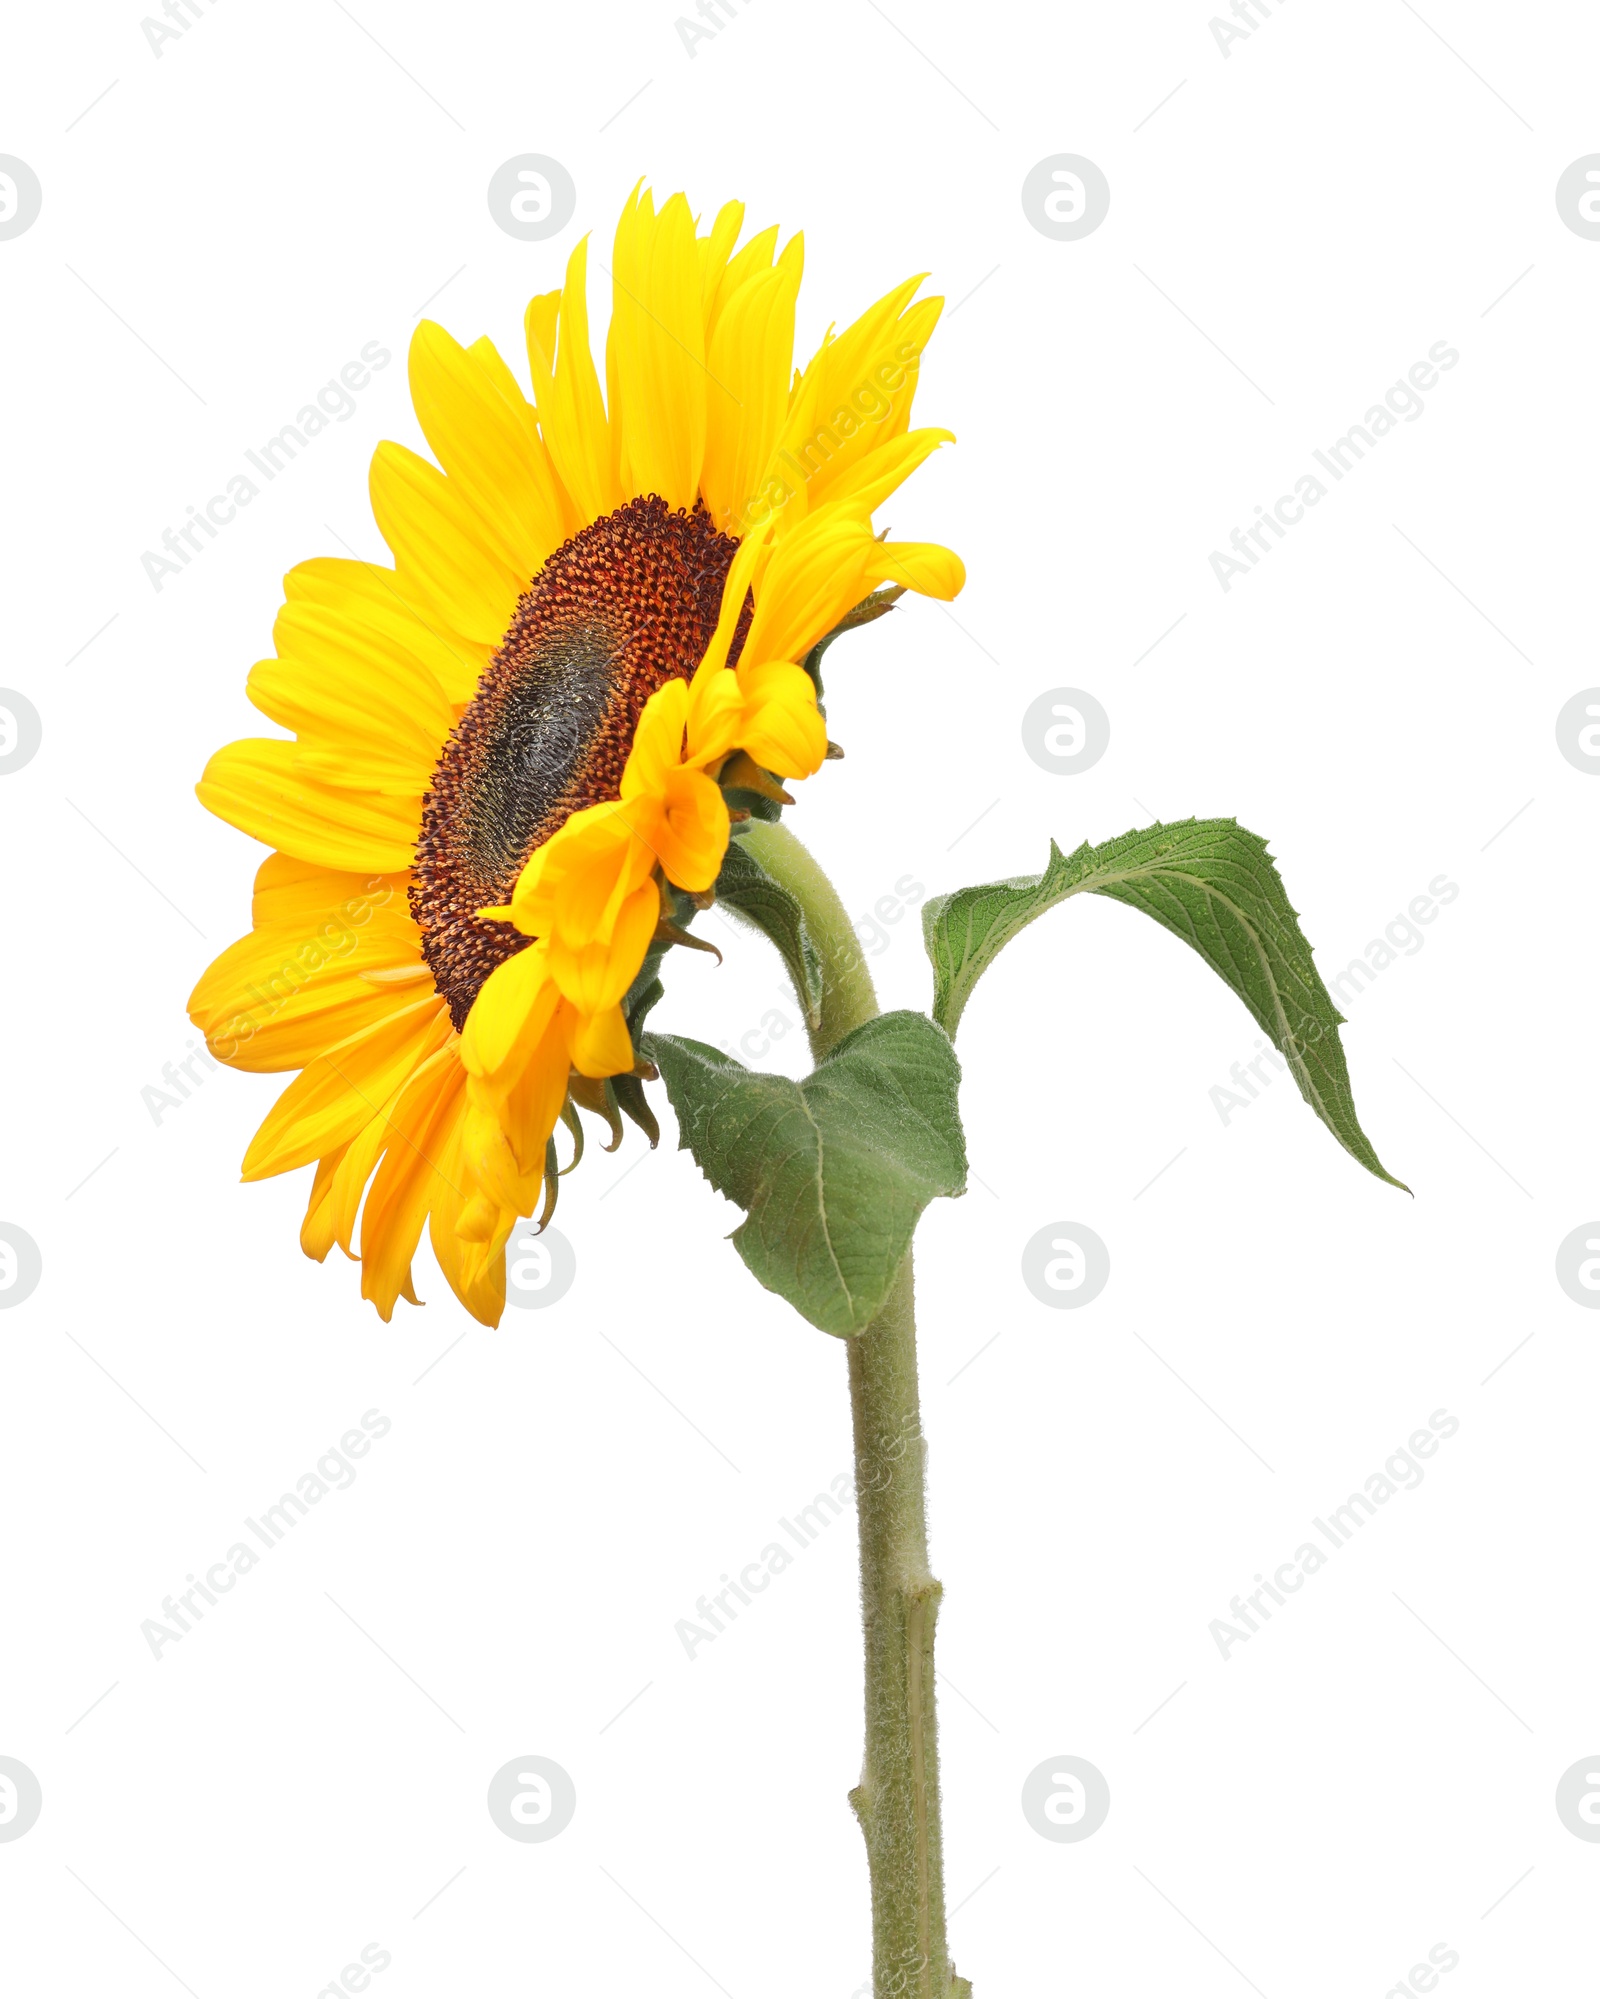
x,y
897,1799
848,998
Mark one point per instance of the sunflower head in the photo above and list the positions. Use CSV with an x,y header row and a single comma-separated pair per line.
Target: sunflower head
x,y
516,756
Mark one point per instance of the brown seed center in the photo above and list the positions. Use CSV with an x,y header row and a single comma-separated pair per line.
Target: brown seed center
x,y
625,606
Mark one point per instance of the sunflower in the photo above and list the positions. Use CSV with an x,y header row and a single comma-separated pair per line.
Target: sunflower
x,y
511,757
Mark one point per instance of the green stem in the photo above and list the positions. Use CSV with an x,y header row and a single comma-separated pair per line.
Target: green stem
x,y
848,999
897,1799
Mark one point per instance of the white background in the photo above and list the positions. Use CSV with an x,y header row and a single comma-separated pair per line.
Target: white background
x,y
1372,1772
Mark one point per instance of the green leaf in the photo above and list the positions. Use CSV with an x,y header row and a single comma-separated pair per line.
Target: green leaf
x,y
1209,882
749,891
832,1172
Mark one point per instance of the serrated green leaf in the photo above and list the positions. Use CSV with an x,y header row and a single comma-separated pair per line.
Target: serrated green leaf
x,y
834,1172
1213,884
747,889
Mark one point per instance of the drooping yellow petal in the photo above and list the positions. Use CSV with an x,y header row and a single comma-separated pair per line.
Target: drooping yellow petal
x,y
602,1047
514,1006
814,577
658,739
595,975
402,1189
693,835
578,880
277,999
475,1271
715,719
919,565
344,1088
316,1231
783,729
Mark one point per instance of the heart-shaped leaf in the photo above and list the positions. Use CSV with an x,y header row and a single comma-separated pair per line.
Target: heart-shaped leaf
x,y
834,1172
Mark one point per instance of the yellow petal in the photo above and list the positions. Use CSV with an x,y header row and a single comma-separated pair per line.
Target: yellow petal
x,y
403,1188
316,1231
344,1088
256,786
715,250
783,729
815,575
874,477
597,974
854,396
716,718
513,1006
601,1047
693,836
294,894
572,416
749,361
443,555
490,448
658,334
395,619
919,565
577,881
